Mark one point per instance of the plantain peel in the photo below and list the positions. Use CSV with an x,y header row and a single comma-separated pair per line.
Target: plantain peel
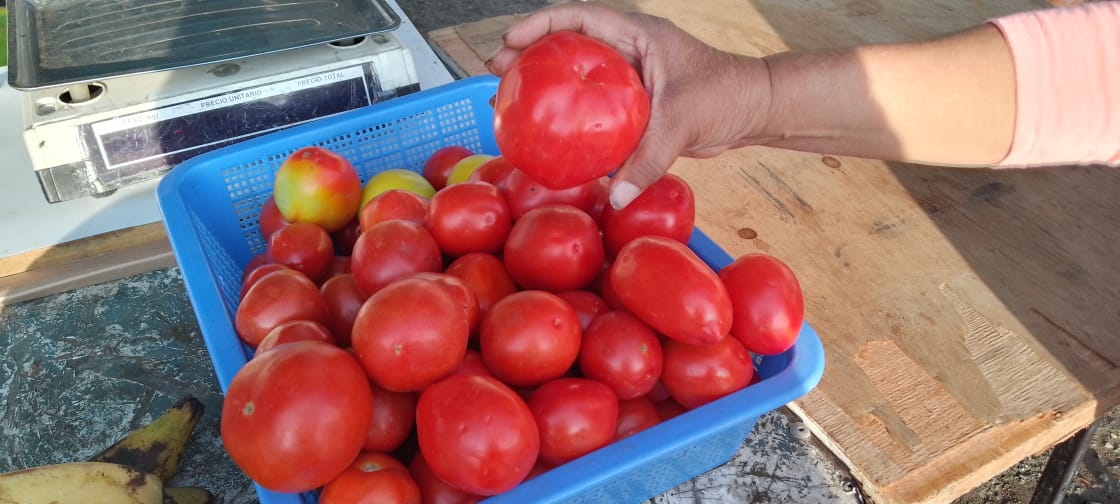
x,y
157,447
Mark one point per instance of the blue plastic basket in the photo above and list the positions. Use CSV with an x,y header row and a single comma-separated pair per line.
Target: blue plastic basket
x,y
210,206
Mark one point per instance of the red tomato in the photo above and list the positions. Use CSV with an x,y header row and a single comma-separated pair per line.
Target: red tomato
x,y
270,219
405,338
473,364
373,478
668,409
524,193
766,301
665,285
344,238
296,330
390,251
486,275
468,217
666,208
317,186
529,337
554,248
393,204
623,353
340,265
278,297
304,247
255,275
393,415
476,434
569,90
297,415
575,416
434,490
606,289
587,305
343,299
257,261
635,415
495,172
695,375
439,165
464,295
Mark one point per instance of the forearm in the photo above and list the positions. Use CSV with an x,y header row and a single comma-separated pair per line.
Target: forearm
x,y
946,101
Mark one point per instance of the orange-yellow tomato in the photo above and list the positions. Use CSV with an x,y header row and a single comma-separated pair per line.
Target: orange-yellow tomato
x,y
317,186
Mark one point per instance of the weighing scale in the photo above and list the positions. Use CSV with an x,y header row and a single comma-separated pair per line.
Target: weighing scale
x,y
117,92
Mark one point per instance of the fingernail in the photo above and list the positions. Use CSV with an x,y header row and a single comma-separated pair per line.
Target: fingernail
x,y
622,193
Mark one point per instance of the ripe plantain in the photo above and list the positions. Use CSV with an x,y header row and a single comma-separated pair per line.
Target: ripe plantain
x,y
187,495
157,447
80,483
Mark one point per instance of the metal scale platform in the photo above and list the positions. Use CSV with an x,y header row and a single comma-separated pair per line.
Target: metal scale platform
x,y
118,92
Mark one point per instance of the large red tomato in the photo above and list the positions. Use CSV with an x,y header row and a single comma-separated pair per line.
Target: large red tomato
x,y
486,275
666,208
390,251
410,334
439,164
530,337
695,375
373,478
318,186
306,248
280,296
575,416
554,248
622,352
571,109
468,217
297,415
666,285
767,303
476,434
462,293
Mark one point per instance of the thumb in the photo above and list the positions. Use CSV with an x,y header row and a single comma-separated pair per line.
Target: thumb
x,y
655,153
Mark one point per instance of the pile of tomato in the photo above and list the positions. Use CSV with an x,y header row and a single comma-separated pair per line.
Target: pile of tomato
x,y
441,336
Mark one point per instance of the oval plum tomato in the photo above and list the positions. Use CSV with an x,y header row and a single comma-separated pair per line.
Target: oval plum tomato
x,y
304,247
462,293
695,375
256,273
666,208
468,217
343,299
554,248
495,172
766,301
393,417
405,337
575,416
317,186
566,90
524,193
398,178
390,251
466,167
297,415
529,337
270,218
278,297
344,238
635,415
476,434
296,330
393,204
373,478
623,353
486,275
434,490
439,164
667,286
587,305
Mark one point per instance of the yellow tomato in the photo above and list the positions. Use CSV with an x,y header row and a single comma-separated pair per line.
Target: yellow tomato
x,y
462,170
405,180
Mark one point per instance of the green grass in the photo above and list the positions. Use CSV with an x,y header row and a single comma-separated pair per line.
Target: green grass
x,y
4,39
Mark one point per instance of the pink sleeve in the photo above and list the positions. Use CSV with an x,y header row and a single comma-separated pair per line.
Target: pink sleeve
x,y
1067,77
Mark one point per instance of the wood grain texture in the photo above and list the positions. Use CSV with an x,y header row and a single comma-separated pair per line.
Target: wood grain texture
x,y
969,316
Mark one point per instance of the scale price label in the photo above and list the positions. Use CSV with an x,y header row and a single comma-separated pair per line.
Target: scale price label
x,y
164,137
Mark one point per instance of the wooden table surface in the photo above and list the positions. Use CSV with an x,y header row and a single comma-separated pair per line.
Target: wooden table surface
x,y
969,316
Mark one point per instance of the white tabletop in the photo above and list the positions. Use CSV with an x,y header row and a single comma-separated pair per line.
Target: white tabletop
x,y
28,222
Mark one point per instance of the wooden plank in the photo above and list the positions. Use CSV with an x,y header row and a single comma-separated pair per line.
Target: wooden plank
x,y
966,314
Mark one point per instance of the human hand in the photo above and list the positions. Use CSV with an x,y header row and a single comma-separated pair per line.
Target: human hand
x,y
703,101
